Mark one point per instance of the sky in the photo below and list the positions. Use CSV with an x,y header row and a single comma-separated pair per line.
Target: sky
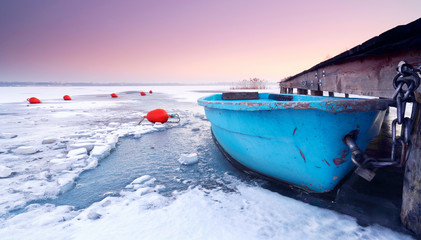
x,y
196,41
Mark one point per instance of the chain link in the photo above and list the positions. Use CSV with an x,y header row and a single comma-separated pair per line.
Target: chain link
x,y
407,78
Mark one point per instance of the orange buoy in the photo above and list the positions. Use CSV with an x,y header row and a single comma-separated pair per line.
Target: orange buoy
x,y
33,100
150,91
143,93
113,95
67,97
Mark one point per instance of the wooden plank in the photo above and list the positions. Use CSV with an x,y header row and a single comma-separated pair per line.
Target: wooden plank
x,y
280,97
371,76
306,81
240,95
283,90
411,192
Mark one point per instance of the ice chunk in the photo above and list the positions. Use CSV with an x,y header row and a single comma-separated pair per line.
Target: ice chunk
x,y
92,163
49,140
100,151
79,135
76,152
112,140
141,179
60,164
8,135
58,146
66,182
86,145
140,182
188,159
144,190
25,150
5,171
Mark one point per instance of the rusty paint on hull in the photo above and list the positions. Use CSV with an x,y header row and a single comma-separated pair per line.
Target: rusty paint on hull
x,y
299,102
340,160
302,155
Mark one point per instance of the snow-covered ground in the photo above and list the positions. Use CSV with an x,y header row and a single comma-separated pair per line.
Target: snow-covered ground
x,y
45,147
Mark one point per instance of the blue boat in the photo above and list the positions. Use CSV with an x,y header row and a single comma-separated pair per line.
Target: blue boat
x,y
296,139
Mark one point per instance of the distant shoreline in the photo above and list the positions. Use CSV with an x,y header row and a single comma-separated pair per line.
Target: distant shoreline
x,y
55,84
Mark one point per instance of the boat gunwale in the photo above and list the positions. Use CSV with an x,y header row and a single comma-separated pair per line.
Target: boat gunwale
x,y
331,104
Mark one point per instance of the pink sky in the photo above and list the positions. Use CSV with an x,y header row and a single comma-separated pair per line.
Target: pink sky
x,y
195,41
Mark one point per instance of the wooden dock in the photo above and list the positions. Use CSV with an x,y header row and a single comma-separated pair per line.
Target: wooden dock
x,y
368,70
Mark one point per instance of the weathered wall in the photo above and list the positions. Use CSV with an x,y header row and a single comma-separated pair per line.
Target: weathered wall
x,y
411,192
371,76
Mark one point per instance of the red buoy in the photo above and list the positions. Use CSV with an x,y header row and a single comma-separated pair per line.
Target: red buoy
x,y
33,100
157,115
150,91
143,93
67,97
113,95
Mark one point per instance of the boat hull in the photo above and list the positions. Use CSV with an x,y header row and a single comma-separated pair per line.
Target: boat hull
x,y
303,147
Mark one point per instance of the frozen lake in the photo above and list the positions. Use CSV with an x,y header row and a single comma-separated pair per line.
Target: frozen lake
x,y
85,169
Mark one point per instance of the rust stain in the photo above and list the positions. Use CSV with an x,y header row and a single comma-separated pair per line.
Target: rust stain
x,y
327,162
295,129
302,155
317,167
339,161
348,105
334,178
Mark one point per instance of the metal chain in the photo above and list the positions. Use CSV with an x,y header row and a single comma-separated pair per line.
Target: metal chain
x,y
407,78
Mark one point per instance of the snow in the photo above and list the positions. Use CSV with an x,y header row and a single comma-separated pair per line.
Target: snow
x,y
5,172
45,147
247,212
7,135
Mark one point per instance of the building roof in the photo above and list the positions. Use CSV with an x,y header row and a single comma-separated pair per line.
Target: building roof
x,y
398,39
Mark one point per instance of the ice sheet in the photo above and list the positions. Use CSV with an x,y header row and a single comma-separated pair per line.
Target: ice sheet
x,y
47,146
